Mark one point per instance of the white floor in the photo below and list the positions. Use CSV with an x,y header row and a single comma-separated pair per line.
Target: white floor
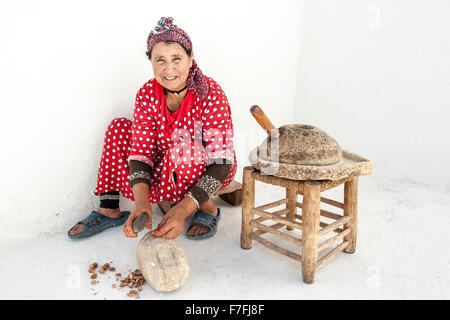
x,y
402,253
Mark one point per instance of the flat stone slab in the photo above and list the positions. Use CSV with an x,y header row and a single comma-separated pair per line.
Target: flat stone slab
x,y
162,262
350,164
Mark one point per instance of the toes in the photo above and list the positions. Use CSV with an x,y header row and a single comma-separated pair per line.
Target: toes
x,y
197,230
202,230
77,229
191,230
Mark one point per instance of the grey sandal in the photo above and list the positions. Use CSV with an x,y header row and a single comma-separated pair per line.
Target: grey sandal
x,y
95,223
205,219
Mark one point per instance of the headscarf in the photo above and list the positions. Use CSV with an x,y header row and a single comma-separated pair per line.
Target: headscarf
x,y
165,30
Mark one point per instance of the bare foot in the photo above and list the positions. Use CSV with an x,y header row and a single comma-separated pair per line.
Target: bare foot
x,y
207,207
110,213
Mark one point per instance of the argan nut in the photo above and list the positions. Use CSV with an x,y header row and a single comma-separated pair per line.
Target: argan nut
x,y
101,270
95,264
132,293
112,269
118,274
94,276
114,286
91,270
106,265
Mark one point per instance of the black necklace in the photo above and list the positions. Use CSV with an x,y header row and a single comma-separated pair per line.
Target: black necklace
x,y
176,92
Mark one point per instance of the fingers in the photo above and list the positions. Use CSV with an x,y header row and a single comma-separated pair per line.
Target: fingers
x,y
171,234
163,228
162,222
149,224
158,233
128,230
128,227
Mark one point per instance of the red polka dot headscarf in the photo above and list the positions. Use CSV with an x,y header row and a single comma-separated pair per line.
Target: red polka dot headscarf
x,y
165,30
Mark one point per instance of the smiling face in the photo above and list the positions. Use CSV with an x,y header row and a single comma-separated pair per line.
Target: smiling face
x,y
171,65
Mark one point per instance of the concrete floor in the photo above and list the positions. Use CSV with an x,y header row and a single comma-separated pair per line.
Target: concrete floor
x,y
402,253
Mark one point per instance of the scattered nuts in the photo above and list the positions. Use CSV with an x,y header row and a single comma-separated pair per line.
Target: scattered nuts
x,y
133,280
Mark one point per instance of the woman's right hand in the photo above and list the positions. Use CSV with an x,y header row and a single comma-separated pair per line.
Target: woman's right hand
x,y
141,207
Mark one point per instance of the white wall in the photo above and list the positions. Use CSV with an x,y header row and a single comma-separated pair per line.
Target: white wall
x,y
375,74
69,67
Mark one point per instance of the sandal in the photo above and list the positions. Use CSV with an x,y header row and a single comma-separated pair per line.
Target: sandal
x,y
205,219
96,223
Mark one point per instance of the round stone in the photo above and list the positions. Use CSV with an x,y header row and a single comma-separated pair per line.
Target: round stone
x,y
302,145
162,262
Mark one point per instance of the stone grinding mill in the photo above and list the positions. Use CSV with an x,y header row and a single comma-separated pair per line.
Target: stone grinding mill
x,y
306,161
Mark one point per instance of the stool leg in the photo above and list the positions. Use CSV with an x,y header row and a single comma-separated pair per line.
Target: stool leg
x,y
291,195
351,209
248,203
310,230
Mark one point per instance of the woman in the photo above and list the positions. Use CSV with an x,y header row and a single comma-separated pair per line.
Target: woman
x,y
179,146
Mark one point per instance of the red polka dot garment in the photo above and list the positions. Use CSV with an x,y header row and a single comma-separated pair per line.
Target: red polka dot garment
x,y
179,143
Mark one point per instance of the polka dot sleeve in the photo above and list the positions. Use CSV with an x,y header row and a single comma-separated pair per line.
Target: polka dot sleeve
x,y
143,130
217,126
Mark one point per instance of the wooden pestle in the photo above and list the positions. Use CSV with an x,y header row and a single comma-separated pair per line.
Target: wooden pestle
x,y
263,120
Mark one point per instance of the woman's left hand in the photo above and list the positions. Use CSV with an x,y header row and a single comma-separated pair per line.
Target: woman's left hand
x,y
172,225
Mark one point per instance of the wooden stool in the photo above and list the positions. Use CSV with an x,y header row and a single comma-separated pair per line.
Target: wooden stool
x,y
312,229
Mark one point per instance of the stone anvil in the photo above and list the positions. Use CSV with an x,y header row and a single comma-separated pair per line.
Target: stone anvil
x,y
162,261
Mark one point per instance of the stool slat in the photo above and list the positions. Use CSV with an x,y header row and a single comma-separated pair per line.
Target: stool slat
x,y
277,248
332,254
276,232
276,218
334,225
